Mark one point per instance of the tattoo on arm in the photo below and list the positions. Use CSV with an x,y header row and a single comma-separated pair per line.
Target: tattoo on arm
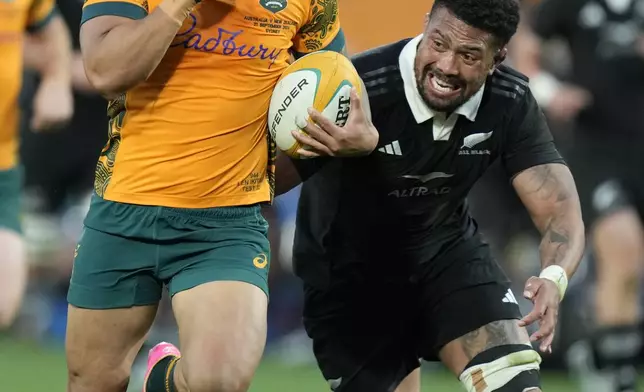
x,y
548,192
494,334
554,245
542,182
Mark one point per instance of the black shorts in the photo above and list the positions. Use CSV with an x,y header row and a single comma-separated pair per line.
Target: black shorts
x,y
369,335
597,159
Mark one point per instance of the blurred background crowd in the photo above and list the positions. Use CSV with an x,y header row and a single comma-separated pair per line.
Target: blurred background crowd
x,y
59,169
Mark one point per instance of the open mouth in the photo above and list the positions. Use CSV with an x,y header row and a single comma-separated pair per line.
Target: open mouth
x,y
442,87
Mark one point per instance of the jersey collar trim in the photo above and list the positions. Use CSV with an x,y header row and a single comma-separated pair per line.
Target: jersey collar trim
x,y
418,107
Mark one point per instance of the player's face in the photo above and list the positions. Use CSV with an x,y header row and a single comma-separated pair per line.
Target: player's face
x,y
452,61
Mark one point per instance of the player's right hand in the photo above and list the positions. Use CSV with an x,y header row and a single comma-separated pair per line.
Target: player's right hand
x,y
544,294
323,137
568,102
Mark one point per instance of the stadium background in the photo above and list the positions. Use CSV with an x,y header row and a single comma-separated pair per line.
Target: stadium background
x,y
59,170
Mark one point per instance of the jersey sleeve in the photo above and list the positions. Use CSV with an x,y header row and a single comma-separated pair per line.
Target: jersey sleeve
x,y
554,17
40,13
528,139
132,9
306,168
321,30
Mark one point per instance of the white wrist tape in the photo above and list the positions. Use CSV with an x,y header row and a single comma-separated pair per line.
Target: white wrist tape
x,y
544,87
557,275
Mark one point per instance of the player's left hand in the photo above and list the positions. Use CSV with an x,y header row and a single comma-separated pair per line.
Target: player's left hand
x,y
358,137
53,106
544,294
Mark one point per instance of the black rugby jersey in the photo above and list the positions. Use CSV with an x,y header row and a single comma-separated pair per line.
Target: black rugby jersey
x,y
603,37
405,203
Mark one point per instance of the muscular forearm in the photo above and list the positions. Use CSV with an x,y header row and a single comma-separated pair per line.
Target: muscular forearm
x,y
562,241
550,195
128,53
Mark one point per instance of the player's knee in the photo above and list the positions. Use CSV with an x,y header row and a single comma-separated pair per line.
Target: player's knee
x,y
619,245
218,382
617,234
216,376
91,378
509,368
95,375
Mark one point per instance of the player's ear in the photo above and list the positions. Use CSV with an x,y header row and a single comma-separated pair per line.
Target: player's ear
x,y
427,16
499,57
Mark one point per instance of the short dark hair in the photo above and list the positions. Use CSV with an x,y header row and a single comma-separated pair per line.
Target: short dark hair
x,y
497,17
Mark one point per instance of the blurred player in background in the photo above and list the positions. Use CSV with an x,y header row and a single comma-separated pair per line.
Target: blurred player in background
x,y
394,266
602,102
57,182
52,108
179,185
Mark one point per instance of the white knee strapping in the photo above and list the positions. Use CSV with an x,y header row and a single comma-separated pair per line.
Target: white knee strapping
x,y
493,375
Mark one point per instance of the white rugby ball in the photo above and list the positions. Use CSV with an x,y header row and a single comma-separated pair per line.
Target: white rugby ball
x,y
321,80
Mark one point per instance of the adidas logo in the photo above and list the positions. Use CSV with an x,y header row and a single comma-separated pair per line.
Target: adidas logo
x,y
392,148
510,298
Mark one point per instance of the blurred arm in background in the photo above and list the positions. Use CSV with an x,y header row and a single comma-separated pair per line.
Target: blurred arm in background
x,y
48,51
561,101
78,76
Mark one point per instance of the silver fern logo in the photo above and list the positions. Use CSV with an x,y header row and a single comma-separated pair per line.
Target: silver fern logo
x,y
476,138
473,140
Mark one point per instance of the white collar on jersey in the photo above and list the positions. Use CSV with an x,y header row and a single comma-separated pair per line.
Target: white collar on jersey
x,y
418,107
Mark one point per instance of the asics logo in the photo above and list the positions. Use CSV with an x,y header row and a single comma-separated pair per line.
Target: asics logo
x,y
260,261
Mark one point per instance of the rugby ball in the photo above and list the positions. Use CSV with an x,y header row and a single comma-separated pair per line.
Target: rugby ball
x,y
321,80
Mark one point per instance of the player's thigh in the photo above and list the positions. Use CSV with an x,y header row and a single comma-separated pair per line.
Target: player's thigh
x,y
217,271
101,346
111,271
470,322
113,295
209,245
222,330
13,270
495,357
364,340
617,232
484,346
13,275
491,320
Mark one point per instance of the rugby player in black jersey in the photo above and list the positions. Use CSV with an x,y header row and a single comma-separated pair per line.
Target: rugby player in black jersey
x,y
394,266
